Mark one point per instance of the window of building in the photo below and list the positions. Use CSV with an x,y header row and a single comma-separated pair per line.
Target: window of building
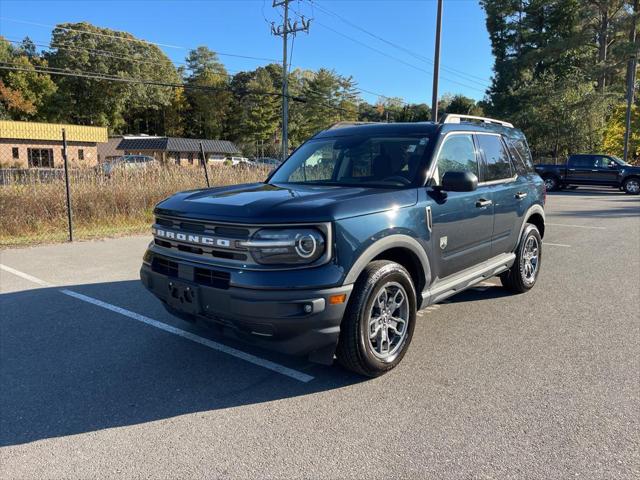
x,y
16,153
190,158
497,162
176,157
80,154
40,157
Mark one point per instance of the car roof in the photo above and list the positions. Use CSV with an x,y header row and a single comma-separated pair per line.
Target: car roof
x,y
416,128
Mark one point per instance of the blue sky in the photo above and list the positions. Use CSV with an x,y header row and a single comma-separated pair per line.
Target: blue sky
x,y
242,27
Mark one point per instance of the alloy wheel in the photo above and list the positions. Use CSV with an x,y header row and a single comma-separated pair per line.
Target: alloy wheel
x,y
388,320
530,259
632,186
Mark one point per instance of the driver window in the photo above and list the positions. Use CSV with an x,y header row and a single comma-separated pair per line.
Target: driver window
x,y
318,166
602,162
458,154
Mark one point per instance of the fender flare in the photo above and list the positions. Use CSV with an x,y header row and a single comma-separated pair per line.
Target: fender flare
x,y
535,208
384,244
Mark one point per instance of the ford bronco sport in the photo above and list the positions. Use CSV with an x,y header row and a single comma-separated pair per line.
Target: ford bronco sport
x,y
362,226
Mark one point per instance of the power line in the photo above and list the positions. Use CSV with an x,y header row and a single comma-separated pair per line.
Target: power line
x,y
128,39
418,56
284,31
393,57
107,54
111,78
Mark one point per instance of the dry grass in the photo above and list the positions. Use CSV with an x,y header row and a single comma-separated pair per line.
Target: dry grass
x,y
33,211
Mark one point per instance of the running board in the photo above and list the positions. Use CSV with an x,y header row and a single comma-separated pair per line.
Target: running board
x,y
467,278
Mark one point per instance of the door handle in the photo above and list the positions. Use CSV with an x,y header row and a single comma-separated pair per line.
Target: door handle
x,y
594,170
572,169
482,202
521,195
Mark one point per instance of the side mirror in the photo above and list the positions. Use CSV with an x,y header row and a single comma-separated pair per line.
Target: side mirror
x,y
613,165
459,182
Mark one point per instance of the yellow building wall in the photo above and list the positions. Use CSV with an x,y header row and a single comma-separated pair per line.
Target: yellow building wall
x,y
51,131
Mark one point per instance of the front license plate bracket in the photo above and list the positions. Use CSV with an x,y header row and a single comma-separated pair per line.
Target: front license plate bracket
x,y
183,296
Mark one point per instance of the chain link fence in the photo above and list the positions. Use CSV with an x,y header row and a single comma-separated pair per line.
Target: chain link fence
x,y
104,199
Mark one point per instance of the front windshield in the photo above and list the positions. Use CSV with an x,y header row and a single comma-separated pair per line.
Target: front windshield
x,y
621,162
383,161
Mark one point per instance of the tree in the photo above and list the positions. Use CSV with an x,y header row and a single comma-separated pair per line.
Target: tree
x,y
558,68
124,107
207,93
460,104
25,93
264,105
614,133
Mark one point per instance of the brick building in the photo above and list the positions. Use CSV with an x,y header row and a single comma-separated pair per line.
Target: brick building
x,y
39,145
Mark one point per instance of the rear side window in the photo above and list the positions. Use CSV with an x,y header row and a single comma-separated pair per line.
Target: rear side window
x,y
585,161
521,156
497,162
458,154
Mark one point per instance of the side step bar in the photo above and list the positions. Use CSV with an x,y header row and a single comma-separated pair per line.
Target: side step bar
x,y
467,278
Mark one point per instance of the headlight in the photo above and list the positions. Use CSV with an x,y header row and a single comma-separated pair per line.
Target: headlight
x,y
286,246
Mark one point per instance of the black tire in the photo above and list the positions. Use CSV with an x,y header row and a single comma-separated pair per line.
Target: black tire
x,y
355,351
631,186
551,183
515,279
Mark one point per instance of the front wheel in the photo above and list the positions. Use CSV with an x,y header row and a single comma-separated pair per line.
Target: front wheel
x,y
522,276
631,186
378,325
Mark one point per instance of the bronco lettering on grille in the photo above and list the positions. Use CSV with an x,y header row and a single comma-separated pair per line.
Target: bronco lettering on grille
x,y
190,238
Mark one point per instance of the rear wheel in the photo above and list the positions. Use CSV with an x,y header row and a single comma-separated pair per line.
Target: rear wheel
x,y
522,276
378,325
551,183
631,186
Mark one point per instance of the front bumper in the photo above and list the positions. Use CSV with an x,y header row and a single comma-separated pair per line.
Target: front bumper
x,y
296,322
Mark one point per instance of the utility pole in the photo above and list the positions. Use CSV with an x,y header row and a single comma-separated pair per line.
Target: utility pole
x,y
283,31
631,79
436,65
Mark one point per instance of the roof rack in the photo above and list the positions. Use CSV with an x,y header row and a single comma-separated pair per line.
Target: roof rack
x,y
348,124
457,118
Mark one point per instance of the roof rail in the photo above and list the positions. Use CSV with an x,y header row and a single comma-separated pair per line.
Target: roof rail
x,y
458,118
347,123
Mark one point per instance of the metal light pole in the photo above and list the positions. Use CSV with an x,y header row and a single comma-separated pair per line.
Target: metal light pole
x,y
436,65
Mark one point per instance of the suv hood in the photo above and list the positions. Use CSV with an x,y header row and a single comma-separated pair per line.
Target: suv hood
x,y
267,203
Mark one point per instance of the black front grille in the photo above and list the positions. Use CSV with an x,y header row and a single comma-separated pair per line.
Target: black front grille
x,y
164,266
164,222
212,278
192,227
232,233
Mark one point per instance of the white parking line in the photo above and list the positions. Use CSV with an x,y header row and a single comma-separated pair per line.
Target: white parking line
x,y
26,276
575,226
556,244
281,369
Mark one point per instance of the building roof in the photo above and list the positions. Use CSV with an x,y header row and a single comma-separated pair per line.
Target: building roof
x,y
110,149
175,144
51,131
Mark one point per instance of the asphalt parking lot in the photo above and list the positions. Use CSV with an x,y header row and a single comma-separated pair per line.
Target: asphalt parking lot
x,y
97,380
